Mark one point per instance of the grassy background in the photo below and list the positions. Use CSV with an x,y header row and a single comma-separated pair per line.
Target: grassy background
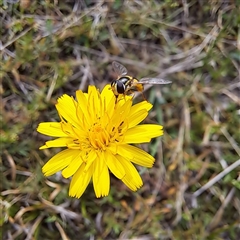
x,y
53,47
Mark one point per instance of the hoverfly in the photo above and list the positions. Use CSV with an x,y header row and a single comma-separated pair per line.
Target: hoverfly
x,y
126,84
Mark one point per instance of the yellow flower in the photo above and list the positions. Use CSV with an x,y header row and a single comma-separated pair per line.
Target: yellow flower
x,y
97,132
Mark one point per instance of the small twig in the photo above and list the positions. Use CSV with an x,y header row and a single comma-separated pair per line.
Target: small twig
x,y
218,216
34,227
231,140
16,38
216,178
61,231
52,86
179,156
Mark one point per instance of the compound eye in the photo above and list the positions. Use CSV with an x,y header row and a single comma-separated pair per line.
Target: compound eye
x,y
120,87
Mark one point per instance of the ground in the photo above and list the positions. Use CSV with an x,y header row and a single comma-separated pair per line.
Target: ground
x,y
49,48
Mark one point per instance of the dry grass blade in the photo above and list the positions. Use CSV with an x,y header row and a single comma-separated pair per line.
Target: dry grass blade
x,y
216,178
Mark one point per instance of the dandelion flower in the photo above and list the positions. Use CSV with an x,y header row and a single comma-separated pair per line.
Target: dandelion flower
x,y
97,132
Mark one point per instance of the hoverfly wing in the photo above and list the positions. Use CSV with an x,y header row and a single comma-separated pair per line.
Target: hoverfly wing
x,y
154,81
119,68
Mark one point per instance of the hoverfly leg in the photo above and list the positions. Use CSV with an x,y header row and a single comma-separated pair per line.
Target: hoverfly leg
x,y
145,99
117,99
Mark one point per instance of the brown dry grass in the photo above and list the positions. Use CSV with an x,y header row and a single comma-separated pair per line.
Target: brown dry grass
x,y
53,47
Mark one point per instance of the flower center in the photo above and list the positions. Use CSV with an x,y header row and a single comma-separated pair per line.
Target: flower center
x,y
98,137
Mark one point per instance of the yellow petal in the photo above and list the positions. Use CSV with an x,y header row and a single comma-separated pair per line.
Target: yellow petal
x,y
132,178
82,107
113,148
138,156
89,159
101,178
59,161
67,108
137,117
94,101
81,98
80,181
108,97
108,100
59,142
107,92
140,106
73,166
122,150
114,165
142,133
121,113
51,129
99,165
122,99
